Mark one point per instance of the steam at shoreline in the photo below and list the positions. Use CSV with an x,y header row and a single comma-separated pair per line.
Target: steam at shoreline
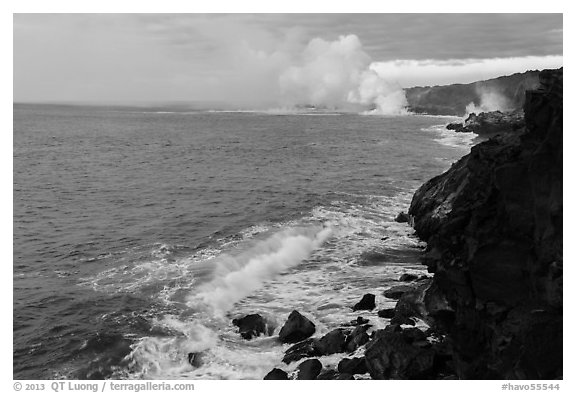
x,y
337,75
489,101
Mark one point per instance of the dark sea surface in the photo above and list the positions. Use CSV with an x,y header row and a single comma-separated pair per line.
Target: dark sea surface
x,y
139,234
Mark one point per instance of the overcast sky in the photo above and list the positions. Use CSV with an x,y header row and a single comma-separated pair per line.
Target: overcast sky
x,y
251,58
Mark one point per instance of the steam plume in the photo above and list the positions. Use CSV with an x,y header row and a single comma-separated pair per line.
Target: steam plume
x,y
337,74
490,100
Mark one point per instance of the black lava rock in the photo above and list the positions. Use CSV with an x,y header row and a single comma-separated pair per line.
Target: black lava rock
x,y
195,359
353,366
386,313
277,374
296,328
303,349
357,338
368,302
250,326
391,355
408,277
397,291
309,369
402,217
400,320
332,342
357,322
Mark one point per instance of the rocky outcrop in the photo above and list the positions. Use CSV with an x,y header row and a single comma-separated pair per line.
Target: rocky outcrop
x,y
402,217
304,349
309,369
296,328
277,374
488,124
397,354
386,313
195,359
357,322
397,291
336,341
407,277
332,342
251,326
353,366
366,303
453,99
493,225
357,338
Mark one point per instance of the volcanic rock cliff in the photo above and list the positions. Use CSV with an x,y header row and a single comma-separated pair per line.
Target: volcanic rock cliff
x,y
453,99
491,123
493,225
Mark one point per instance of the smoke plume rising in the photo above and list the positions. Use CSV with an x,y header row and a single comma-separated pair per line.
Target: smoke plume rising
x,y
490,100
337,74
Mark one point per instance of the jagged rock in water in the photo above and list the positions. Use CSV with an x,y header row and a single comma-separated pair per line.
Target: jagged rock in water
x,y
251,326
304,349
277,374
402,217
386,313
458,127
309,369
368,302
401,320
358,321
332,342
493,225
357,338
296,328
407,277
397,291
195,359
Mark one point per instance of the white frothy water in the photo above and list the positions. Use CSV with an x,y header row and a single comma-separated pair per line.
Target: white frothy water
x,y
237,277
313,264
461,140
156,354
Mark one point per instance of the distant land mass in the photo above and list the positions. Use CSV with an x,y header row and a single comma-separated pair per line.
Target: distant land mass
x,y
505,93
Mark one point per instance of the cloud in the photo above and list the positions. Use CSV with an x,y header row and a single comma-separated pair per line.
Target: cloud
x,y
259,60
431,72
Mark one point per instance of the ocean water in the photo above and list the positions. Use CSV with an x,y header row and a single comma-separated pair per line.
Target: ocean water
x,y
139,234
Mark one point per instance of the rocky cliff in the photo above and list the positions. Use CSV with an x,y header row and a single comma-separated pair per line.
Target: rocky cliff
x,y
493,225
509,91
491,123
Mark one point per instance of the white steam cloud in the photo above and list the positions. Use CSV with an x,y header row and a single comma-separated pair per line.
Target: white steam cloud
x,y
337,74
489,101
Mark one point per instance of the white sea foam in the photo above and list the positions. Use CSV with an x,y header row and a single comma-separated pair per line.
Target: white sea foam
x,y
311,264
461,140
153,357
235,277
